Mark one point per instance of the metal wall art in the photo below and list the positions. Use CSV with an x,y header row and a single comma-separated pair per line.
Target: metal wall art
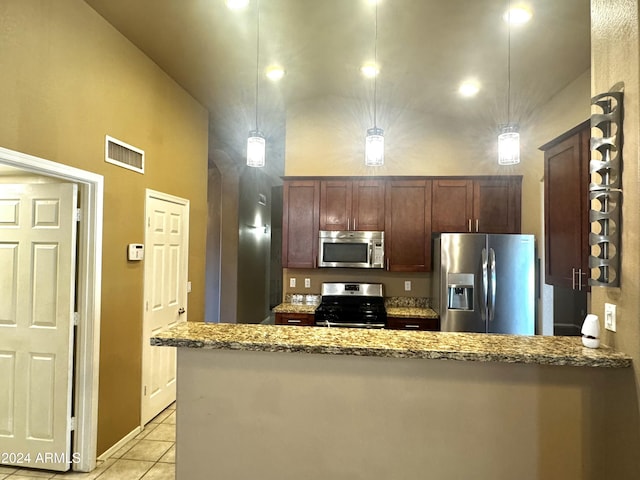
x,y
605,189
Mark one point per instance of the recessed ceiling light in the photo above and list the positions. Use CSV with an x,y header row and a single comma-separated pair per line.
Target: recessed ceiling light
x,y
469,88
275,73
518,15
236,4
370,70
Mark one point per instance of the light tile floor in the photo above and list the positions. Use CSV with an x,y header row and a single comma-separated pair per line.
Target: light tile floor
x,y
151,455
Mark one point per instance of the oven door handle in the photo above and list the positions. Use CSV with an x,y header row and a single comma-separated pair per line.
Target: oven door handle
x,y
327,323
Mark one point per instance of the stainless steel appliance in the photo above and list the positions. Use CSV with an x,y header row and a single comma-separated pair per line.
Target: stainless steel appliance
x,y
358,305
351,249
484,283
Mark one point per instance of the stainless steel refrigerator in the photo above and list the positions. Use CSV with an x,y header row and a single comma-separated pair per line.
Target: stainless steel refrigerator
x,y
484,282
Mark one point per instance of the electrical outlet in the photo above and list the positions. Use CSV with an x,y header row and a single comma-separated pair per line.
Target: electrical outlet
x,y
307,283
610,316
407,285
292,283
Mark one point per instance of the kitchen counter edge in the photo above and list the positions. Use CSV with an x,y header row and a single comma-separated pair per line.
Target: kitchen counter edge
x,y
397,312
541,350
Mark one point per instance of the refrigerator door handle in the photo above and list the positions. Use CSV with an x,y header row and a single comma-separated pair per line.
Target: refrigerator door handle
x,y
485,284
492,295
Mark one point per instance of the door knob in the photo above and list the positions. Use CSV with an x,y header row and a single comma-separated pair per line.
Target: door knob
x,y
181,311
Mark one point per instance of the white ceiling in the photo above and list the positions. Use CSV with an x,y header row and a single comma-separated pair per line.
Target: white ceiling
x,y
425,48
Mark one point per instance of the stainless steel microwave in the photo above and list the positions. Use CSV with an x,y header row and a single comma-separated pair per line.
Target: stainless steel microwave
x,y
351,249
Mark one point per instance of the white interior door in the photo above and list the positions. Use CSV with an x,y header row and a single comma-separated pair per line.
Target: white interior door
x,y
165,286
37,288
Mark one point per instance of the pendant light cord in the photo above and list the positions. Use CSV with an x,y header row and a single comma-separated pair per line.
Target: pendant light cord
x,y
257,57
509,62
375,62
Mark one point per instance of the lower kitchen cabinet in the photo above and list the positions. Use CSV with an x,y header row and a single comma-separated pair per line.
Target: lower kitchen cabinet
x,y
404,323
298,319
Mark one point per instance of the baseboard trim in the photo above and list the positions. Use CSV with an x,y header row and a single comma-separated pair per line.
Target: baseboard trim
x,y
127,438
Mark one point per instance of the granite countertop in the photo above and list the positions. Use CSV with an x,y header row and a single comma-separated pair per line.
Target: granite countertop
x,y
403,307
295,308
542,350
411,312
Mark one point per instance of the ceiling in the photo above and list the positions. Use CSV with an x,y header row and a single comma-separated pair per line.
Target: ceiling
x,y
425,48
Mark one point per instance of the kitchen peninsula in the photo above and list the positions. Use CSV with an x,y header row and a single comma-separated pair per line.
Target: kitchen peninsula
x,y
276,402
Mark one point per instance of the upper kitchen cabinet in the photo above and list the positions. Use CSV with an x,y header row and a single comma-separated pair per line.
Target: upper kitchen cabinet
x,y
408,225
477,205
566,208
352,205
300,217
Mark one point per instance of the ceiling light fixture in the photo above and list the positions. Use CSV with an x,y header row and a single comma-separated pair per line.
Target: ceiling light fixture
x,y
236,4
469,88
374,141
275,73
256,143
370,70
509,137
517,15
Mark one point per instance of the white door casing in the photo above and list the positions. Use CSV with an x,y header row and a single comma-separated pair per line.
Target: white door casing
x,y
37,297
165,295
88,295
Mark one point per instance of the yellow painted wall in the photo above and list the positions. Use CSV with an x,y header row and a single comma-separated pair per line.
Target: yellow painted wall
x,y
67,79
616,58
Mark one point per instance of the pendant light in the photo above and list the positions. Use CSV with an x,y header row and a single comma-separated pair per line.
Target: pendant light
x,y
374,141
256,143
509,137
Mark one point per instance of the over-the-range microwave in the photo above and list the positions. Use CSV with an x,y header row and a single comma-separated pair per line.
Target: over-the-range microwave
x,y
351,249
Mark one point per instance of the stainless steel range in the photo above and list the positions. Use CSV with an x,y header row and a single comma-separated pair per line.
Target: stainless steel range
x,y
359,305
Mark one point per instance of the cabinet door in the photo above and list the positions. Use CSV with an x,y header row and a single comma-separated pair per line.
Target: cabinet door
x,y
422,324
496,205
566,210
300,213
335,205
452,207
368,205
297,319
408,225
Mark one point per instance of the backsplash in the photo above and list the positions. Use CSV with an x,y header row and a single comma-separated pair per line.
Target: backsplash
x,y
407,302
389,302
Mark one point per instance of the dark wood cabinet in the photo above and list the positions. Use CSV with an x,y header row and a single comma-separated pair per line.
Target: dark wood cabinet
x,y
297,319
452,207
408,225
422,324
300,219
478,205
566,208
352,205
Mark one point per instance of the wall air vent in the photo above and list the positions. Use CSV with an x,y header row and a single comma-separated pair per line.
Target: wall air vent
x,y
123,154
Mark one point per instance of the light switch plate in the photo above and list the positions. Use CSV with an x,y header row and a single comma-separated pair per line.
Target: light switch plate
x,y
292,283
610,316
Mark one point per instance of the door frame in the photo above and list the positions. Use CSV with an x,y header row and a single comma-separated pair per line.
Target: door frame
x,y
149,194
89,278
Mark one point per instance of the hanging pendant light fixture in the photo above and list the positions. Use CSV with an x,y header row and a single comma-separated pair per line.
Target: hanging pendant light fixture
x,y
509,137
256,143
374,141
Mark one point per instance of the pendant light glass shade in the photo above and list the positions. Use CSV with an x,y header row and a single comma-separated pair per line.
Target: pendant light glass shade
x,y
256,146
374,147
509,145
